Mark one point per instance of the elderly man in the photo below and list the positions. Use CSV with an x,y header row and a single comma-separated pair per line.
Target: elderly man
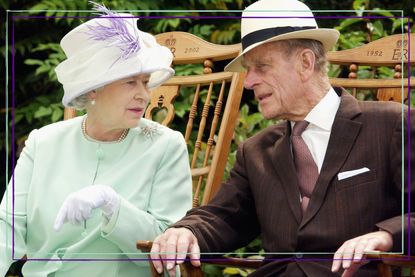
x,y
324,185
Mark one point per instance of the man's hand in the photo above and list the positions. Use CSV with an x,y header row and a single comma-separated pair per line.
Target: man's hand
x,y
351,253
172,246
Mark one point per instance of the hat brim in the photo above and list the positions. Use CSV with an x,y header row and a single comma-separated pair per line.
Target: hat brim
x,y
328,37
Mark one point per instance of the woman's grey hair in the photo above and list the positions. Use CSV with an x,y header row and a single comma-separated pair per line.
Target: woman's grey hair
x,y
290,46
80,103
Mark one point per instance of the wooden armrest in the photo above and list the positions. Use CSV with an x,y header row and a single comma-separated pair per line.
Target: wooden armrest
x,y
235,262
386,258
384,269
144,245
393,259
189,270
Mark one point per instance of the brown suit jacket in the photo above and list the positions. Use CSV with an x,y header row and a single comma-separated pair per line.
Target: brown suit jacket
x,y
261,196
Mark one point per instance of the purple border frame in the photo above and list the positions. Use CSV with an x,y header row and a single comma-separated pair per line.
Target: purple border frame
x,y
205,17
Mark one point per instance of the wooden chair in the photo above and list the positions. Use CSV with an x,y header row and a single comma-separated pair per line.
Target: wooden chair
x,y
392,52
215,98
214,109
388,52
187,48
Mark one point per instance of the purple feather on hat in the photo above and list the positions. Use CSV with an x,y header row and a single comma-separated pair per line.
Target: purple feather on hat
x,y
116,33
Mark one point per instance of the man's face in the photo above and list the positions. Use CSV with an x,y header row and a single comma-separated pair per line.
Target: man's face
x,y
274,78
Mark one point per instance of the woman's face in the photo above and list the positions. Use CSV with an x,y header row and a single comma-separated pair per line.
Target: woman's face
x,y
121,104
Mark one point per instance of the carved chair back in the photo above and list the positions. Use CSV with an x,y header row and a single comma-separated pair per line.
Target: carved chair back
x,y
377,59
213,97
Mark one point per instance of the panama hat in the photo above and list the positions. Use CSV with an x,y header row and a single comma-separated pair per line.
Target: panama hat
x,y
109,48
272,20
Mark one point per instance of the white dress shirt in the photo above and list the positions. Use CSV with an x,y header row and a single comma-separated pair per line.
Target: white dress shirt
x,y
317,133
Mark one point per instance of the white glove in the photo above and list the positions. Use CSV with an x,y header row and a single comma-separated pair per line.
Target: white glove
x,y
78,206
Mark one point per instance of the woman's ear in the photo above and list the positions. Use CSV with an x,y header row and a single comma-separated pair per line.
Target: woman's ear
x,y
307,60
92,95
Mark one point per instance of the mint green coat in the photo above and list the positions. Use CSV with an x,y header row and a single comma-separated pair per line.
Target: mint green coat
x,y
149,169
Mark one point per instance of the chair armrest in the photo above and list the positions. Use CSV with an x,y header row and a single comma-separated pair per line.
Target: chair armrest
x,y
190,270
387,261
234,262
144,245
186,268
393,259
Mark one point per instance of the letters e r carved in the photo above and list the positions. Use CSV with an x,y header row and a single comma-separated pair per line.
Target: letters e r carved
x,y
170,42
398,52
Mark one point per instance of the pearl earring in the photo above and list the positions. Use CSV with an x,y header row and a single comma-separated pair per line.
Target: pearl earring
x,y
92,102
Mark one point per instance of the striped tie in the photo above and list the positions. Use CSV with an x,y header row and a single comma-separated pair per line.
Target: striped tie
x,y
307,171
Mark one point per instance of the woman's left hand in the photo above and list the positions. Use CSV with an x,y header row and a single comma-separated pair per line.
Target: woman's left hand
x,y
78,206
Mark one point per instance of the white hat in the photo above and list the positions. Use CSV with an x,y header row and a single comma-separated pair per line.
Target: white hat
x,y
271,20
108,48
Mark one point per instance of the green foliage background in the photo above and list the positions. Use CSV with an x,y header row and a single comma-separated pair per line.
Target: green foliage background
x,y
37,94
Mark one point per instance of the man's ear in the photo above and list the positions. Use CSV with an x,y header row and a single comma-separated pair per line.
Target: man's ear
x,y
306,60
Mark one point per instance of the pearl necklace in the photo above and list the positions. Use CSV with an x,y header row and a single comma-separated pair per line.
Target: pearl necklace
x,y
121,138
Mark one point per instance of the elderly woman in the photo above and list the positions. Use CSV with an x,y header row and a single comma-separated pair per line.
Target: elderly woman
x,y
84,190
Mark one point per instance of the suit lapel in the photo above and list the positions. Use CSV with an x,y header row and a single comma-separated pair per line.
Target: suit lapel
x,y
343,135
285,170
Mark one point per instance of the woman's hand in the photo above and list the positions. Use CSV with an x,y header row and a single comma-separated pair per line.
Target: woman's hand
x,y
78,206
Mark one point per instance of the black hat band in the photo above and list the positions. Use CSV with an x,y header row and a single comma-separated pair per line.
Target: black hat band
x,y
265,34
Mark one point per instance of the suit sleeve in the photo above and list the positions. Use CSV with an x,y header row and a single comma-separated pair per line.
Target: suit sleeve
x,y
169,200
13,208
403,227
229,220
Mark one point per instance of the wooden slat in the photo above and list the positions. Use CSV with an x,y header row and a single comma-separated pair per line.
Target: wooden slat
x,y
226,131
372,83
215,78
200,171
69,113
192,114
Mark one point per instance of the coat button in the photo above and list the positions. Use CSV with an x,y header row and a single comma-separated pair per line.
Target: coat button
x,y
99,153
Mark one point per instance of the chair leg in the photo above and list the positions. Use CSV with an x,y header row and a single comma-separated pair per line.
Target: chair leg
x,y
188,270
154,272
384,270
